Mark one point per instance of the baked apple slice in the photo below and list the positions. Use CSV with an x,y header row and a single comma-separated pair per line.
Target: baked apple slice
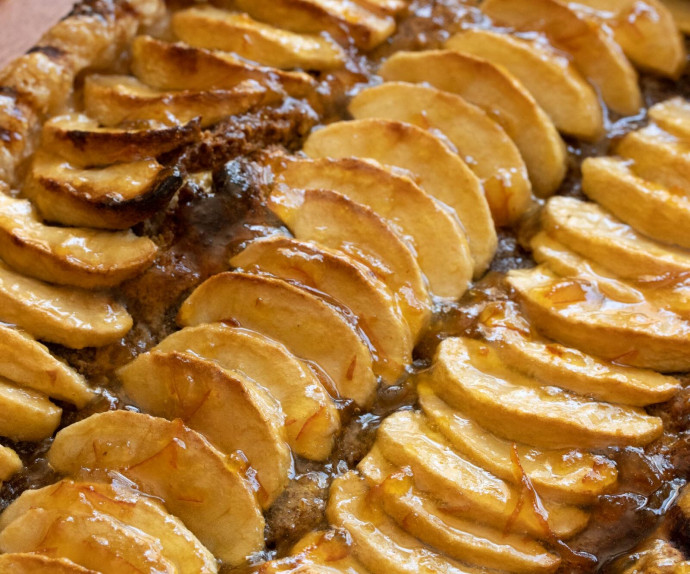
x,y
568,475
228,408
438,240
345,22
672,115
81,141
575,312
311,417
214,29
164,460
307,325
30,563
681,13
485,146
332,220
469,375
438,171
461,487
79,257
10,463
27,415
501,96
65,315
113,197
349,283
384,7
558,87
594,52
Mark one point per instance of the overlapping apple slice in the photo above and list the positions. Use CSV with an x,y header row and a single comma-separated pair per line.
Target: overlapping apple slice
x,y
436,237
575,311
27,415
437,170
482,143
556,85
10,463
126,506
164,459
311,418
227,407
594,52
306,324
214,29
346,22
501,96
681,13
72,317
30,563
419,514
349,283
672,115
113,197
332,220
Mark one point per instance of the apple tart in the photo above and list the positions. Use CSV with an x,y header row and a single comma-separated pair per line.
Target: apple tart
x,y
350,286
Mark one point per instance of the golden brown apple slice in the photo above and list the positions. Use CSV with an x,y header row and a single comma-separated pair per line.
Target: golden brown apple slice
x,y
559,89
384,7
332,220
72,317
417,513
438,171
645,30
501,96
80,140
29,563
349,283
228,408
214,29
598,57
572,369
310,327
113,197
30,364
311,418
470,375
576,312
377,541
481,142
438,240
93,541
163,458
125,505
346,22
653,209
115,100
568,475
681,13
158,64
27,415
80,257
461,487
673,116
10,463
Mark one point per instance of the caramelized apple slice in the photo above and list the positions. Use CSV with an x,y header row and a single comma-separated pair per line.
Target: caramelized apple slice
x,y
93,541
306,324
577,313
349,283
501,96
486,148
673,116
418,513
567,475
681,13
438,240
469,375
346,22
29,563
164,459
593,51
27,415
311,418
378,542
71,317
10,463
214,29
334,221
113,197
228,408
69,256
125,505
559,89
439,172
384,7
463,488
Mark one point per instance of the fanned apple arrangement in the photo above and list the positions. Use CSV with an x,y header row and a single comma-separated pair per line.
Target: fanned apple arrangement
x,y
386,216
